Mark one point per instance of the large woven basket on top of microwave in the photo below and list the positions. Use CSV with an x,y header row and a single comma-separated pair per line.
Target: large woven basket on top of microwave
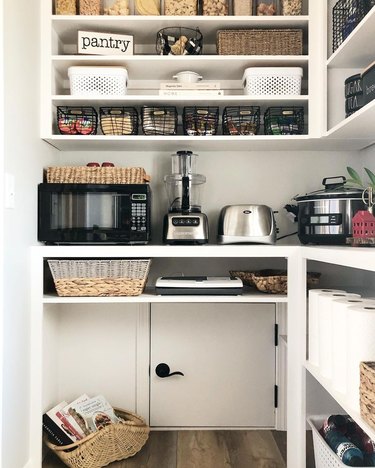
x,y
97,278
112,443
96,175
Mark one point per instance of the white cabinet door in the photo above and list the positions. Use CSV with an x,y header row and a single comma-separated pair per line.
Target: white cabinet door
x,y
227,355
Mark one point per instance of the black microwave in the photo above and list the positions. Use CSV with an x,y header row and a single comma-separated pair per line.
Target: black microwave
x,y
94,213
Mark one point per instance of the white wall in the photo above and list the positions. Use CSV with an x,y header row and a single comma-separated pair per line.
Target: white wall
x,y
25,155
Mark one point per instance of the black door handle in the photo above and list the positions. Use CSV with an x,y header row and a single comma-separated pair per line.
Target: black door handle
x,y
162,370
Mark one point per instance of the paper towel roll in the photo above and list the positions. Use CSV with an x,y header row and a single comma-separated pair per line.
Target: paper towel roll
x,y
325,330
340,339
361,346
313,322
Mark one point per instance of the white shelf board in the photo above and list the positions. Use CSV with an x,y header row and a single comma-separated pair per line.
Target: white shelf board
x,y
144,28
153,298
359,126
354,257
356,51
341,399
159,67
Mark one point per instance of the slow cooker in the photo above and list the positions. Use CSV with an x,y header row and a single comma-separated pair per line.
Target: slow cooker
x,y
325,216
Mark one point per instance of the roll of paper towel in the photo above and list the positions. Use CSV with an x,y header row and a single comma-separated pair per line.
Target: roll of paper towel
x,y
361,346
325,330
339,309
314,322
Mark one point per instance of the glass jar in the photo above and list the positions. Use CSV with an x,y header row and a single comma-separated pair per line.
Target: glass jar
x,y
215,7
180,7
291,7
242,7
147,7
89,7
117,7
266,7
65,7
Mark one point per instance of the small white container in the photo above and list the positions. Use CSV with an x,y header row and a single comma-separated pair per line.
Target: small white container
x,y
98,81
187,77
275,81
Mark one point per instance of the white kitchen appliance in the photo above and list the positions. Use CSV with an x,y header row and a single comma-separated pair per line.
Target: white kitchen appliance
x,y
198,285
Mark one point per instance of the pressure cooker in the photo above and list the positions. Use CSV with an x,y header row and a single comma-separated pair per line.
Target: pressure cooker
x,y
325,216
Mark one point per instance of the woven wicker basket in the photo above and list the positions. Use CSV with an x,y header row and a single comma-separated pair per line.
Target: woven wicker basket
x,y
112,443
271,281
367,392
99,277
259,42
96,175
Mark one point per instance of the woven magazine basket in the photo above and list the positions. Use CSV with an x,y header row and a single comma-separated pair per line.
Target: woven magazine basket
x,y
259,42
367,392
112,443
97,278
96,175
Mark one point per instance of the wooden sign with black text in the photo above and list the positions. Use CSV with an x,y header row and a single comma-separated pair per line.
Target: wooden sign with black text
x,y
95,43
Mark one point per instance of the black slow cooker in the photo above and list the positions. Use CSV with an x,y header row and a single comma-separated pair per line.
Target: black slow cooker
x,y
325,216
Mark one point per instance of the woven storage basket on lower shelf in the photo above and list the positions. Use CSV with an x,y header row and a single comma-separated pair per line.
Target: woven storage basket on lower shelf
x,y
112,443
367,392
259,42
98,278
96,175
271,281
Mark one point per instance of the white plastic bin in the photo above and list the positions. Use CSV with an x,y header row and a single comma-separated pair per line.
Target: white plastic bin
x,y
280,81
325,457
95,81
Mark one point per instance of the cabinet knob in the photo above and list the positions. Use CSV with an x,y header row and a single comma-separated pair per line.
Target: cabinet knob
x,y
162,370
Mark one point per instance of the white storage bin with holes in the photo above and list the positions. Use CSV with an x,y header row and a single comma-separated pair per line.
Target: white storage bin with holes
x,y
280,81
98,81
325,457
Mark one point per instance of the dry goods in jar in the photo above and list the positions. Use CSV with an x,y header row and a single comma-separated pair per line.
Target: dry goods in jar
x,y
147,7
66,7
243,7
180,7
116,7
215,7
266,8
292,7
89,7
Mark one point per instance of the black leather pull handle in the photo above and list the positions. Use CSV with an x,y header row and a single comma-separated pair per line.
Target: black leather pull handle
x,y
162,370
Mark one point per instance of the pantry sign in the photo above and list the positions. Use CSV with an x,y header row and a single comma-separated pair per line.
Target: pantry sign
x,y
94,43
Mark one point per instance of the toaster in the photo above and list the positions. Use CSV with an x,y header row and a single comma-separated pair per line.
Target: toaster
x,y
253,224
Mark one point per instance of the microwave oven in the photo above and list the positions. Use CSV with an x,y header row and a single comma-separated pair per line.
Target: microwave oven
x,y
94,213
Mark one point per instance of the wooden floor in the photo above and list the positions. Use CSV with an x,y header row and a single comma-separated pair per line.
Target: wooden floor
x,y
204,449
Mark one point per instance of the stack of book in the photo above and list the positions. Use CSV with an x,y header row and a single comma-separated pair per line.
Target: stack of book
x,y
199,89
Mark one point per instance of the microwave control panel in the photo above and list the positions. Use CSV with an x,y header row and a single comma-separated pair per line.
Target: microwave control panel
x,y
138,212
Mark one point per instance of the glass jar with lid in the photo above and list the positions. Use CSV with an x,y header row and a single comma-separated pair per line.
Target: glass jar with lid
x,y
89,7
117,7
242,7
266,7
145,8
215,7
180,7
291,7
65,7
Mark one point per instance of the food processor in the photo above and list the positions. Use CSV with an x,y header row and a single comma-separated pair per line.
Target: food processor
x,y
185,223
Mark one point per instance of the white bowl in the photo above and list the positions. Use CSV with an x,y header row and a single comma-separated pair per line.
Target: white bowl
x,y
187,77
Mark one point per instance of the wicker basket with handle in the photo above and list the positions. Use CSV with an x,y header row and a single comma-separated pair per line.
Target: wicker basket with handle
x,y
96,175
259,42
112,443
97,278
367,392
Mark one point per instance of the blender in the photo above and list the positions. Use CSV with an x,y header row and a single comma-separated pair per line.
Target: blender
x,y
184,223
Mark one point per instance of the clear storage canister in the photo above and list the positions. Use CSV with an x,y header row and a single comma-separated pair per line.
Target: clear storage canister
x,y
215,7
147,7
291,7
65,7
180,7
242,7
89,7
117,7
266,7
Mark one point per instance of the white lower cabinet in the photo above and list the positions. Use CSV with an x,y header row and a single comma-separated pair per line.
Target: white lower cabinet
x,y
227,355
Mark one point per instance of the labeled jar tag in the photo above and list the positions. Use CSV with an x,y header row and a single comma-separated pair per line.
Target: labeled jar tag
x,y
202,112
245,112
159,112
288,112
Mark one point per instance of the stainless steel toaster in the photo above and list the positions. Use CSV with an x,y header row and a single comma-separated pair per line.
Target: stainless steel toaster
x,y
253,224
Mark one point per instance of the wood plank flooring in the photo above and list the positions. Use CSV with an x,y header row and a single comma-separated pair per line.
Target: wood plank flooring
x,y
203,449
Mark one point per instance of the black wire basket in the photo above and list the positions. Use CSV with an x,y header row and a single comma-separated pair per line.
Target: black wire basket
x,y
284,121
179,41
241,120
77,120
159,120
118,120
200,121
346,15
